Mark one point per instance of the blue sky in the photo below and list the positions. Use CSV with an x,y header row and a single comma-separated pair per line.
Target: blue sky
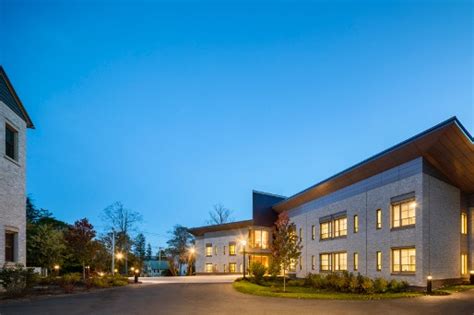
x,y
171,107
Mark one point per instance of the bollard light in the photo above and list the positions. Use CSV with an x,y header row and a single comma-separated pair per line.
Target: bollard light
x,y
471,277
429,284
136,275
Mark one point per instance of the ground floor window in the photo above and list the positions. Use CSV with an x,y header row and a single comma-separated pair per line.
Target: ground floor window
x,y
325,262
356,261
224,268
403,260
340,261
292,267
10,246
313,262
379,261
259,258
232,267
208,267
463,264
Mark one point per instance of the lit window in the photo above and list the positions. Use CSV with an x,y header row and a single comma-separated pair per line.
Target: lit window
x,y
209,250
258,258
259,239
325,262
11,142
356,223
215,250
404,213
223,250
356,261
379,261
379,218
463,223
224,268
325,230
403,260
313,262
10,246
292,266
232,267
340,261
232,249
463,264
208,267
313,232
340,227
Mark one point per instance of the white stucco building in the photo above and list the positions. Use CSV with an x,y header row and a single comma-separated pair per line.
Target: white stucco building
x,y
14,122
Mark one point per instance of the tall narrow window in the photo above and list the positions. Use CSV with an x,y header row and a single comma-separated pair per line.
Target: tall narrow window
x,y
10,246
301,263
340,261
231,249
313,232
313,262
403,260
11,142
356,261
232,267
325,230
209,267
325,262
223,250
463,223
404,213
340,227
301,234
224,268
209,249
215,250
379,219
463,264
379,261
356,223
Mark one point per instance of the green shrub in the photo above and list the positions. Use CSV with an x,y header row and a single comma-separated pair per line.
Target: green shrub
x,y
366,285
274,269
354,284
99,282
380,285
257,270
69,280
50,280
317,281
398,286
17,280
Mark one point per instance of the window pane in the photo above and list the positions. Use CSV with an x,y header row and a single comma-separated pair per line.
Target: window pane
x,y
265,239
10,142
208,249
356,261
10,247
396,215
356,224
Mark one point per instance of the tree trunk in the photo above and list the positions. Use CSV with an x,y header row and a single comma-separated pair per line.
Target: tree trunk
x,y
284,280
83,272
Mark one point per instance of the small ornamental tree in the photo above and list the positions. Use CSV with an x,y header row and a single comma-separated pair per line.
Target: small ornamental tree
x,y
286,245
79,238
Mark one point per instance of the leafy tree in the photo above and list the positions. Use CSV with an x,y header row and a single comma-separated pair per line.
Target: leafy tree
x,y
149,253
220,215
139,248
48,246
286,247
179,244
124,221
79,241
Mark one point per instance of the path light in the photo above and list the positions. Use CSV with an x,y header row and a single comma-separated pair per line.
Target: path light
x,y
101,274
471,276
56,269
137,271
133,268
243,243
429,284
115,270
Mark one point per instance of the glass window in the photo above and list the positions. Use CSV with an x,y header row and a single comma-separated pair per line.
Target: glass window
x,y
313,232
325,230
223,250
340,261
208,267
258,258
301,234
340,227
463,264
379,261
11,139
325,262
259,239
232,267
10,246
232,248
379,218
404,213
215,250
224,268
292,265
209,250
313,262
463,223
356,223
403,260
356,261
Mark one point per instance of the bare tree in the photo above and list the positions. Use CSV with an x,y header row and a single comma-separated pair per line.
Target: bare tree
x,y
124,221
220,215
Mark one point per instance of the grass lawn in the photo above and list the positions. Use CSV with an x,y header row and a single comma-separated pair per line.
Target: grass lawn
x,y
456,288
299,292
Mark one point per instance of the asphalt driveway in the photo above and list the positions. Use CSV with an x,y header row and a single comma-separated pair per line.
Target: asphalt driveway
x,y
200,298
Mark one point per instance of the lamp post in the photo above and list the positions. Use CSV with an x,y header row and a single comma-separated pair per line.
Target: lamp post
x,y
243,243
56,269
192,251
119,256
429,284
136,274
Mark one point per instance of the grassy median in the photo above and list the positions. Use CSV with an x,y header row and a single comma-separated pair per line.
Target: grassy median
x,y
301,292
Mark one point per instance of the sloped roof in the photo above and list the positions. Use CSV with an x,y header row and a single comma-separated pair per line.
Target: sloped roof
x,y
198,231
448,146
11,99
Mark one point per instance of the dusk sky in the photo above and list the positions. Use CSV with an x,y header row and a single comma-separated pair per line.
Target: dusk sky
x,y
172,107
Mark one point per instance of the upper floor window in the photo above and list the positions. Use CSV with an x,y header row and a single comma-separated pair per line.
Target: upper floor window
x,y
325,230
209,250
259,239
10,246
463,223
232,248
340,227
403,260
215,250
223,250
378,214
356,223
301,234
313,232
11,142
403,213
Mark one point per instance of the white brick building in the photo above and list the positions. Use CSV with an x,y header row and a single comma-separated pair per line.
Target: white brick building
x,y
404,214
14,122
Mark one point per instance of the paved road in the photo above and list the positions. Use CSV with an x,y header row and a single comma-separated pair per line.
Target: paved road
x,y
222,299
194,279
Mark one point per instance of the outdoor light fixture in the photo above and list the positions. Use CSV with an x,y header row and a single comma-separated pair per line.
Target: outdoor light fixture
x,y
119,255
132,268
115,270
192,250
429,284
101,274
